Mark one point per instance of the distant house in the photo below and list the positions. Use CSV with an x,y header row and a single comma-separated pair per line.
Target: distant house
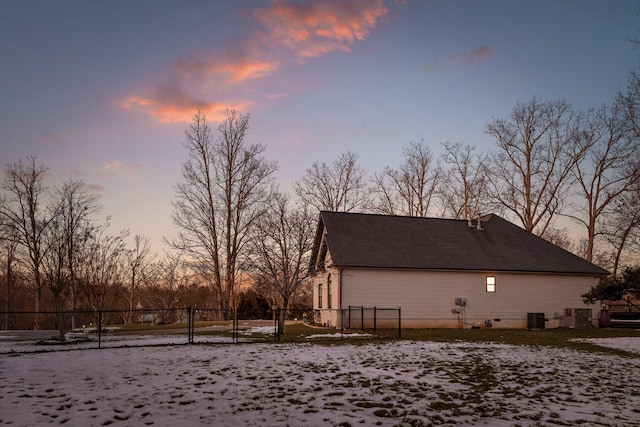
x,y
447,273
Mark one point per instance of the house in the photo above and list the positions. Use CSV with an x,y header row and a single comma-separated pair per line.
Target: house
x,y
447,273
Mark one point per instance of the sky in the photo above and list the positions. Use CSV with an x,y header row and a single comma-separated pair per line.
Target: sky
x,y
385,384
103,91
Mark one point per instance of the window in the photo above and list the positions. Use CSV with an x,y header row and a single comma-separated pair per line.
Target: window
x,y
319,295
329,291
491,283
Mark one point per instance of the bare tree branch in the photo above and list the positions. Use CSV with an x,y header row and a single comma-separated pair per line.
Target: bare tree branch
x,y
280,249
411,189
609,169
531,170
466,192
337,187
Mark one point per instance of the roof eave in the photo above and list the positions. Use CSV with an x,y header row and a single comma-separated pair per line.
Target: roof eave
x,y
471,270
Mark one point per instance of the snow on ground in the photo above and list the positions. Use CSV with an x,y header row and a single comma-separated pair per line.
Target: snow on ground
x,y
394,383
630,344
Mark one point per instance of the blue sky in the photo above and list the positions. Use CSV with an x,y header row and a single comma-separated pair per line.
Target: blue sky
x,y
102,91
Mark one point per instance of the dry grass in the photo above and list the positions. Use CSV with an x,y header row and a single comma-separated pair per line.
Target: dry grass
x,y
560,338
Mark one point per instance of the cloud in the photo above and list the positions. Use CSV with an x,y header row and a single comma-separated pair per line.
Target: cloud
x,y
117,166
276,96
95,188
313,29
53,138
171,104
233,68
289,32
465,59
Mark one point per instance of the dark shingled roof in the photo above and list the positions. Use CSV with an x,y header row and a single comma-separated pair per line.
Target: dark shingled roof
x,y
365,240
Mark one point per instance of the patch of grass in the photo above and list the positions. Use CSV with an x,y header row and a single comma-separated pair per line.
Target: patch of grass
x,y
439,405
335,393
371,404
386,413
562,338
298,332
137,327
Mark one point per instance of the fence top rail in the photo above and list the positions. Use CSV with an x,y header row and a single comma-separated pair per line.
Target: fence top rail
x,y
85,311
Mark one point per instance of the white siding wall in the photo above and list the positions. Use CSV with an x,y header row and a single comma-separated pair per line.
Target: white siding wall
x,y
427,298
329,313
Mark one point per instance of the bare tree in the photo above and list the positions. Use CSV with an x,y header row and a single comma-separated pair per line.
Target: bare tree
x,y
609,169
224,190
76,207
623,217
630,102
9,255
465,194
100,267
559,237
139,265
340,186
411,189
531,170
24,211
55,270
171,281
280,250
622,228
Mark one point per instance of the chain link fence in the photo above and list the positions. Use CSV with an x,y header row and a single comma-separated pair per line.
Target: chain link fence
x,y
379,321
28,332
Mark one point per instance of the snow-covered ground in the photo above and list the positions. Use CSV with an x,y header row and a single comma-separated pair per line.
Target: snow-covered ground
x,y
394,383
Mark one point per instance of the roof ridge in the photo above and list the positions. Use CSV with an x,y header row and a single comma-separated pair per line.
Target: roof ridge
x,y
488,216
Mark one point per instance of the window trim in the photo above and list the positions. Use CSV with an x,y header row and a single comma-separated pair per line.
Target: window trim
x,y
320,295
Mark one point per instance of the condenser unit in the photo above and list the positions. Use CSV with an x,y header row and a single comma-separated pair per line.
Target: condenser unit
x,y
579,318
535,320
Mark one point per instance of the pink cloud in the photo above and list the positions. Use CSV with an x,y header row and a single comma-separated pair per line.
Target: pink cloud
x,y
313,29
464,59
291,32
275,96
170,104
234,68
118,166
53,138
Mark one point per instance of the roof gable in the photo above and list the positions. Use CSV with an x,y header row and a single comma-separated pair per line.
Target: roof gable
x,y
367,240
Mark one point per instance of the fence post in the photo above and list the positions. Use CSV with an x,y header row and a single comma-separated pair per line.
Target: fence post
x,y
375,320
277,325
193,325
362,317
236,332
189,326
349,314
399,322
99,329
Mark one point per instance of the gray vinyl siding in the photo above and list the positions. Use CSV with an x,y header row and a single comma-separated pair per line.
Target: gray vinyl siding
x,y
429,296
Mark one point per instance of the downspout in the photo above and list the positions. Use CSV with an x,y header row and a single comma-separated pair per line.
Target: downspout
x,y
340,297
340,287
